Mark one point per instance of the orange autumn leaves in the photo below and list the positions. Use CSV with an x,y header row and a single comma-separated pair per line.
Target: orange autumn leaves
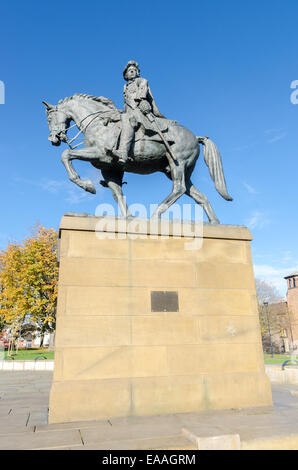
x,y
28,279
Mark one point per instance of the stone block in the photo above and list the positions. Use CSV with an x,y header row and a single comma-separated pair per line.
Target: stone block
x,y
161,273
110,362
90,331
216,329
29,365
163,395
224,276
18,365
191,359
95,272
87,245
219,302
222,442
40,365
45,440
220,251
237,390
169,328
106,301
89,400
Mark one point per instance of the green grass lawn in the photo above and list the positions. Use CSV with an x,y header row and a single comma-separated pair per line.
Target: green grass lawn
x,y
277,358
31,354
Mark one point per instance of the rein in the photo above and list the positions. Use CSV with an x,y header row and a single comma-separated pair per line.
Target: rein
x,y
68,142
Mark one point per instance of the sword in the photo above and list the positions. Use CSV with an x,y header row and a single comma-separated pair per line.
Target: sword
x,y
151,118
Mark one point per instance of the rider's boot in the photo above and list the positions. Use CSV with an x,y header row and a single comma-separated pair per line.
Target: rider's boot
x,y
126,138
122,156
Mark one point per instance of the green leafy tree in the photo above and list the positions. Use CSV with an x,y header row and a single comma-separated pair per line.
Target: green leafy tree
x,y
28,279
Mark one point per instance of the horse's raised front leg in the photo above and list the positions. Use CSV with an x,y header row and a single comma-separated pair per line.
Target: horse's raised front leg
x,y
113,180
87,154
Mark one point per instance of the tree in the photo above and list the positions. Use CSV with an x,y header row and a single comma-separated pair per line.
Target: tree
x,y
2,323
266,292
274,316
11,296
28,279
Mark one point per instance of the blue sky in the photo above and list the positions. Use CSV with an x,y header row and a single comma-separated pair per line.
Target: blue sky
x,y
221,68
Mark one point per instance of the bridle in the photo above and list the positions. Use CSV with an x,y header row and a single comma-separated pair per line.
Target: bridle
x,y
69,142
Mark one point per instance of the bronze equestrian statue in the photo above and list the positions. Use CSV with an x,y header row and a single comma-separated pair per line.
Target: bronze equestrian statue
x,y
137,140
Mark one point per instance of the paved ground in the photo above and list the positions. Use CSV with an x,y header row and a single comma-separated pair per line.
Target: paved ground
x,y
24,408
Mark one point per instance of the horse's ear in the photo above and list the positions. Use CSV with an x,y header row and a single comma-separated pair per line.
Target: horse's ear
x,y
47,105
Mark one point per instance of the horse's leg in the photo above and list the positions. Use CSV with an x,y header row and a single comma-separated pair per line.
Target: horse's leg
x,y
201,199
113,179
87,154
179,187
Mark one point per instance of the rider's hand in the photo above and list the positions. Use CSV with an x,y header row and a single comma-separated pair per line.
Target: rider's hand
x,y
145,107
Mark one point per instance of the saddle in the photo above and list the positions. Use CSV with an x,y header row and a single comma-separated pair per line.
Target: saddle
x,y
114,129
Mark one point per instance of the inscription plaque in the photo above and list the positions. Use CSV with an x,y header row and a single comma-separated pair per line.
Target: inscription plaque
x,y
164,301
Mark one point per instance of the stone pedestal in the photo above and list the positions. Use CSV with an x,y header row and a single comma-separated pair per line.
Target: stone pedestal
x,y
148,324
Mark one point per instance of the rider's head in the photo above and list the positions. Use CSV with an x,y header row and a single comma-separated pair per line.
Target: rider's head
x,y
131,70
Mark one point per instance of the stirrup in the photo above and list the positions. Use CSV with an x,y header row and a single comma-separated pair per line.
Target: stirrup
x,y
119,155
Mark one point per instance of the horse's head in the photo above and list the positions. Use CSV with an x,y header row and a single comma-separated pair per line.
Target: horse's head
x,y
58,123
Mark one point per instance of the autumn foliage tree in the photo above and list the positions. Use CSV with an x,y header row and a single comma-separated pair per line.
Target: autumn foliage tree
x,y
28,280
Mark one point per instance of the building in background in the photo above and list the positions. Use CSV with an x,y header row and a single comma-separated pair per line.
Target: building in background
x,y
292,302
25,341
279,320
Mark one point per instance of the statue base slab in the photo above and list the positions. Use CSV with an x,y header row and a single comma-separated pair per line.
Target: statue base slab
x,y
150,323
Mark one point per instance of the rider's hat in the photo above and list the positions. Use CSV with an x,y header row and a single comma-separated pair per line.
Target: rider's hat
x,y
129,63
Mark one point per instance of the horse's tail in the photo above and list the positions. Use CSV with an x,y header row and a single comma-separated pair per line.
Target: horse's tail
x,y
213,161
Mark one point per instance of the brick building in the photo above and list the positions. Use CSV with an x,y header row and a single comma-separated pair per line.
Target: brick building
x,y
292,301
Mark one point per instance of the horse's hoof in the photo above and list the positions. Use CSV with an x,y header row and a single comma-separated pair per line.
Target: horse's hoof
x,y
89,186
214,222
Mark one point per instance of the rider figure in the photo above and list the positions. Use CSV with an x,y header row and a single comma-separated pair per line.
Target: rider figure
x,y
138,102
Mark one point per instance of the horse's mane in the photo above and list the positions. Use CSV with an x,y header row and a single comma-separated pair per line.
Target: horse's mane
x,y
99,99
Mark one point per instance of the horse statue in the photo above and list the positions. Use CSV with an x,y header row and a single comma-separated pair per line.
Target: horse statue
x,y
98,119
